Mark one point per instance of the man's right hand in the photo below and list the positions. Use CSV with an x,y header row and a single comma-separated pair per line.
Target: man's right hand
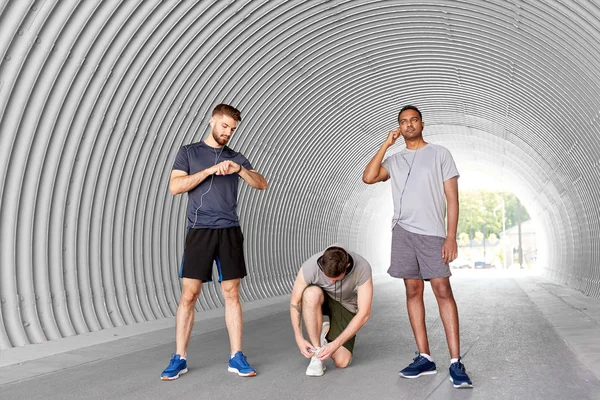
x,y
392,137
374,171
306,348
226,167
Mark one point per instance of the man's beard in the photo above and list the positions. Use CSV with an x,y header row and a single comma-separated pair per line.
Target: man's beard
x,y
219,139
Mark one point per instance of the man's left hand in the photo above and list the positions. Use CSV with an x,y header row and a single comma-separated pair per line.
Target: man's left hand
x,y
449,250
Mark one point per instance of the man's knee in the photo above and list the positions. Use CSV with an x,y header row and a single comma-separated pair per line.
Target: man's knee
x,y
342,364
230,290
189,297
312,296
343,360
442,289
189,292
414,288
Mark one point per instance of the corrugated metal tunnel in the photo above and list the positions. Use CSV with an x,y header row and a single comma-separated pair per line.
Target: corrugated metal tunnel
x,y
97,97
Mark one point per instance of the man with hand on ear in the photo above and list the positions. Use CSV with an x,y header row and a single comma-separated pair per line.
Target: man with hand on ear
x,y
424,185
339,284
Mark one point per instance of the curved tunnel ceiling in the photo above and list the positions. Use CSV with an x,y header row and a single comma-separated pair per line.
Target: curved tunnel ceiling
x,y
96,98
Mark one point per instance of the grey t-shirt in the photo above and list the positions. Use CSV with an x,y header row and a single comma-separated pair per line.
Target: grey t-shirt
x,y
213,203
344,291
418,178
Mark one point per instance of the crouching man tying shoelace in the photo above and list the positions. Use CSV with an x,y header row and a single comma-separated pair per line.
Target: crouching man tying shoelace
x,y
338,284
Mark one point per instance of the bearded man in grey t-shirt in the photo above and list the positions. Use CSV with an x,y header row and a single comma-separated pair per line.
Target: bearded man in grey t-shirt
x,y
336,283
424,185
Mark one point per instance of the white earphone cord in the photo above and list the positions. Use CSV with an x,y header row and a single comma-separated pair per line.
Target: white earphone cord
x,y
212,177
410,166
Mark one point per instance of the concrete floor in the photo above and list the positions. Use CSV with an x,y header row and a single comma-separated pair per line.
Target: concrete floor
x,y
522,338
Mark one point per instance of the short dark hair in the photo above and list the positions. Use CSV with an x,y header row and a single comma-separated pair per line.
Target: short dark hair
x,y
410,107
334,261
230,111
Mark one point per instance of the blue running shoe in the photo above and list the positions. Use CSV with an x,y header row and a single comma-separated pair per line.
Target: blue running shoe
x,y
240,366
419,366
176,367
458,375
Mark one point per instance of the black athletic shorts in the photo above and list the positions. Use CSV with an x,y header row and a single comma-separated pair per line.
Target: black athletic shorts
x,y
204,246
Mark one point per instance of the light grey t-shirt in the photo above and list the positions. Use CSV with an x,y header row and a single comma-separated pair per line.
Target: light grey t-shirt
x,y
418,178
344,291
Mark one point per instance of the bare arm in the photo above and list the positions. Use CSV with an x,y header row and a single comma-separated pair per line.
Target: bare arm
x,y
182,182
306,348
296,304
253,178
450,249
374,171
365,300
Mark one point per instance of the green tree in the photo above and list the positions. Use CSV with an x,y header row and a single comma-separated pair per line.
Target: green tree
x,y
476,212
463,239
478,237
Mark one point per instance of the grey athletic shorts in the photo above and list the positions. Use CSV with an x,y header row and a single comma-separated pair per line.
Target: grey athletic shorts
x,y
417,256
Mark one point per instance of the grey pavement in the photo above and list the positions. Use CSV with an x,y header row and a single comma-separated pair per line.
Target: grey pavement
x,y
522,338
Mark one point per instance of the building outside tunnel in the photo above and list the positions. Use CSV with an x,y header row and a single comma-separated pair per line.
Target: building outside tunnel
x,y
97,97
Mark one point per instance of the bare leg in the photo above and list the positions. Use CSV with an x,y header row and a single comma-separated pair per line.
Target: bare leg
x,y
312,300
448,312
342,357
416,312
185,314
233,313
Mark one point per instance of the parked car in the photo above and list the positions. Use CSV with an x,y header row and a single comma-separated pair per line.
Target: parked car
x,y
482,265
460,263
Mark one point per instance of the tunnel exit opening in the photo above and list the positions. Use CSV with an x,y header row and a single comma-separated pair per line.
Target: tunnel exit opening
x,y
495,228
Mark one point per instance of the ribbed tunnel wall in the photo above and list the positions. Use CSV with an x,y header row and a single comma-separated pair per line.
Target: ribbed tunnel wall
x,y
97,96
